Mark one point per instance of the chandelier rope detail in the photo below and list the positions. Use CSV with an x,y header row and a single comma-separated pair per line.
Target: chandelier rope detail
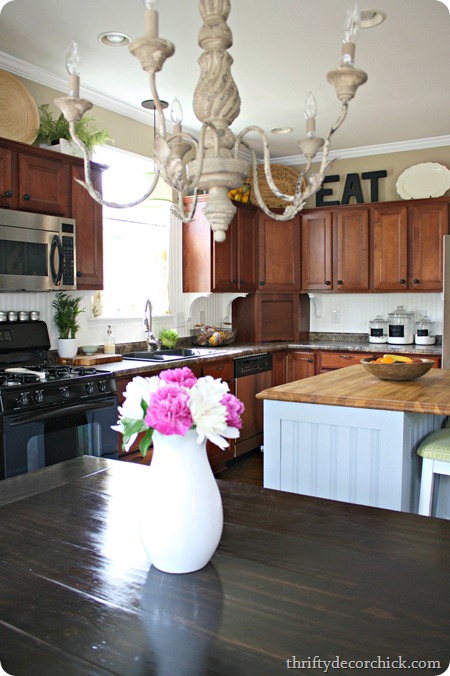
x,y
216,167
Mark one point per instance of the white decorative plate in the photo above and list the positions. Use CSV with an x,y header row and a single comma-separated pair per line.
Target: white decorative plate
x,y
428,179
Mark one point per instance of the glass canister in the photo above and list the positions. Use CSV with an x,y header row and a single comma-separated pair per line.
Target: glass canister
x,y
425,331
401,326
378,332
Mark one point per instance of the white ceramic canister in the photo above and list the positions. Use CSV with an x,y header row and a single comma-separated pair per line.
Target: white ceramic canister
x,y
425,331
401,327
378,330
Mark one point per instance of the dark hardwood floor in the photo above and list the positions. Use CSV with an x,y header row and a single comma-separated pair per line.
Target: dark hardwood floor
x,y
247,470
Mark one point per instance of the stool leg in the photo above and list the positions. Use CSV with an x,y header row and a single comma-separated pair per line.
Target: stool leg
x,y
426,487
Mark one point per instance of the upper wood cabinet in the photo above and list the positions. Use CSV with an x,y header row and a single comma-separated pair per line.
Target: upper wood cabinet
x,y
32,182
89,224
389,248
43,181
407,245
335,250
220,266
278,254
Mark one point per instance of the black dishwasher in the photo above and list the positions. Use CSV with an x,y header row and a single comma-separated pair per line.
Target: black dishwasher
x,y
252,374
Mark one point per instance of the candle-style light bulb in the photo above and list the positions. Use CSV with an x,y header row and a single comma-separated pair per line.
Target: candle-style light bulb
x,y
176,112
151,18
73,68
350,34
310,115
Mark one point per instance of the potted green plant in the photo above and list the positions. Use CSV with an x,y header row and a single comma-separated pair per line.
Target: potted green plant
x,y
52,130
67,309
168,338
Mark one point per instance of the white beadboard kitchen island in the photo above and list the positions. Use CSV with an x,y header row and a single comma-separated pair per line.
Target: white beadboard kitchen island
x,y
347,436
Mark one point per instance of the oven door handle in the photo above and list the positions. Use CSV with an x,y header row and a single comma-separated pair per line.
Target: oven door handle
x,y
56,274
40,416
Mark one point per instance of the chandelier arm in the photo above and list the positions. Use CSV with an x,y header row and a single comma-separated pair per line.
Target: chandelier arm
x,y
158,106
89,186
181,212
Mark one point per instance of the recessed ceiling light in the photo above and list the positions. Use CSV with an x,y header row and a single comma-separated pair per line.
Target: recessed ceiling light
x,y
371,18
114,39
282,130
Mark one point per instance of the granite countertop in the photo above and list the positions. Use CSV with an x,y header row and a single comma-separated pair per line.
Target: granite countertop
x,y
325,342
354,387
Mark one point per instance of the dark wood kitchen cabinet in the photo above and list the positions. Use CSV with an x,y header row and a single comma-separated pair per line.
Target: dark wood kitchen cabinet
x,y
89,223
300,364
220,266
224,370
407,245
33,182
43,181
278,254
335,250
265,317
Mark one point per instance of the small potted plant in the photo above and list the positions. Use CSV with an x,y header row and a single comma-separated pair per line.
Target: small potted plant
x,y
67,308
168,338
54,130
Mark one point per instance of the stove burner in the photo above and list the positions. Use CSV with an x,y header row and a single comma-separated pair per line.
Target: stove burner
x,y
50,373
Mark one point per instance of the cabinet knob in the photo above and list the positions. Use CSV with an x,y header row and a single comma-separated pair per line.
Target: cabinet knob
x,y
8,193
416,281
340,282
26,197
79,274
327,282
310,360
402,281
261,283
235,281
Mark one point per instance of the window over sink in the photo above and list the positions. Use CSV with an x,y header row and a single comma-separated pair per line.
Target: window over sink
x,y
135,240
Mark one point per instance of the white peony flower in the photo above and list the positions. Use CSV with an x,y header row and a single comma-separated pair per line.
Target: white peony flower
x,y
208,414
139,388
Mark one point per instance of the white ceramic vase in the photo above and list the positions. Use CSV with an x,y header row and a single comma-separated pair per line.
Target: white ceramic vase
x,y
181,515
67,347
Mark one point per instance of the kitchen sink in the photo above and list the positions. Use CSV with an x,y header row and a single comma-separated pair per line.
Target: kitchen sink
x,y
174,354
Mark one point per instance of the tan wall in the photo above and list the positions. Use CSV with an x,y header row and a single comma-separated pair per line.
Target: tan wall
x,y
128,134
393,163
137,137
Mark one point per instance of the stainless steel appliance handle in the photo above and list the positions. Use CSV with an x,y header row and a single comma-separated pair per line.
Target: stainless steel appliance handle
x,y
40,416
56,274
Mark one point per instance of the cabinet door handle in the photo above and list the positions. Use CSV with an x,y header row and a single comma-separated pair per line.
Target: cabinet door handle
x,y
402,281
310,360
8,193
345,356
340,282
261,283
417,281
234,281
26,197
79,274
327,282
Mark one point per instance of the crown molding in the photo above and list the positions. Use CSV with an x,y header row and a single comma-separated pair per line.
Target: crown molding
x,y
47,79
365,151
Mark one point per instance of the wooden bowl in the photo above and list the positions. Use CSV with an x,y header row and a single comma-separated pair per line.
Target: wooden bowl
x,y
398,370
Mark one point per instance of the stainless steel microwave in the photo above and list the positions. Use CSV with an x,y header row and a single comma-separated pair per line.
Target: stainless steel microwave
x,y
37,252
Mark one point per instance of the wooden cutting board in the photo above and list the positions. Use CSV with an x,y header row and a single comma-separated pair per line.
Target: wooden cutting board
x,y
90,359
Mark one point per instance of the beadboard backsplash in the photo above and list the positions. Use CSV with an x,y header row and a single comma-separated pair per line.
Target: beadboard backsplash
x,y
351,313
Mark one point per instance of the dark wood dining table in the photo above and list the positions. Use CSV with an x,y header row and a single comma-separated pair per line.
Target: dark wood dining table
x,y
296,583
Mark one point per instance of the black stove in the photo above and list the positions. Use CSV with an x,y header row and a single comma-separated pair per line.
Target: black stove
x,y
50,412
29,381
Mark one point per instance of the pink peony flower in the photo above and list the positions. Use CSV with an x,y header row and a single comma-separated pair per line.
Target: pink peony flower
x,y
168,411
182,376
235,408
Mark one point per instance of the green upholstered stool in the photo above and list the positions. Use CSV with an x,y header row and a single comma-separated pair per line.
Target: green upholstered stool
x,y
435,451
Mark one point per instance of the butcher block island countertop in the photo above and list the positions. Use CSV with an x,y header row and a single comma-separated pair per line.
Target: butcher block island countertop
x,y
354,387
345,435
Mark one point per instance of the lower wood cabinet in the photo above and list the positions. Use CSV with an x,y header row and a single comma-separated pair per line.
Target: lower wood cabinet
x,y
329,361
224,370
300,365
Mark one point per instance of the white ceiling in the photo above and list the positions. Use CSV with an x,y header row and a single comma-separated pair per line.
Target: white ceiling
x,y
282,49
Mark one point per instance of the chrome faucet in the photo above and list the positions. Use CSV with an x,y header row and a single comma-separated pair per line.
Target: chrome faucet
x,y
152,343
